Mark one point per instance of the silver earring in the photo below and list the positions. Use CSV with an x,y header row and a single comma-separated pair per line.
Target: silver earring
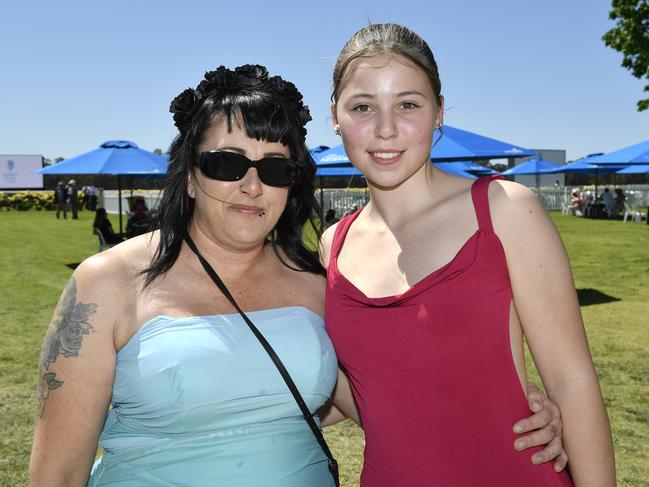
x,y
337,130
190,191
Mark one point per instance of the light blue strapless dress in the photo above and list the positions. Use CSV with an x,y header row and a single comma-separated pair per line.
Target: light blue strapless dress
x,y
198,402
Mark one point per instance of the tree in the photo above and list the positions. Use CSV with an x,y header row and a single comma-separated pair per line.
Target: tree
x,y
630,36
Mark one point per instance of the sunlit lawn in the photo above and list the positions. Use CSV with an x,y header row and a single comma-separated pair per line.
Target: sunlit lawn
x,y
611,266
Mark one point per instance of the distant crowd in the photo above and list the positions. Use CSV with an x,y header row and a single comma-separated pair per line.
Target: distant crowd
x,y
67,199
587,203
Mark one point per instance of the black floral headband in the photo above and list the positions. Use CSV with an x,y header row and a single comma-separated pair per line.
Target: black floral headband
x,y
249,77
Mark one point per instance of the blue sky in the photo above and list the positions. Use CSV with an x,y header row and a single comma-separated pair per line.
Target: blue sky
x,y
537,74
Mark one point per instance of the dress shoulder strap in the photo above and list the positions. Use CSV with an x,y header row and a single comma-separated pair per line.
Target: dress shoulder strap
x,y
480,195
340,233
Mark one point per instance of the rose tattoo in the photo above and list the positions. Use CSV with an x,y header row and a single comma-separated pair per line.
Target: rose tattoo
x,y
64,337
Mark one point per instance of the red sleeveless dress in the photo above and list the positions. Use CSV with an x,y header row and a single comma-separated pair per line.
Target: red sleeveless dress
x,y
432,373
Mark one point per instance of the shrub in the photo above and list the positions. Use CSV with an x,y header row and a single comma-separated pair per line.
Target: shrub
x,y
28,200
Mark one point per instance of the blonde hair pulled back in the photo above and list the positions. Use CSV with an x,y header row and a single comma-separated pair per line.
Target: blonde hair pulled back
x,y
387,40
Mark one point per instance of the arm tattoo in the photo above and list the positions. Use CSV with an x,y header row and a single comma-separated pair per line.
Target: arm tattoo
x,y
69,325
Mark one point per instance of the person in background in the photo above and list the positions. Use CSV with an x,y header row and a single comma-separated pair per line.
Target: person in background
x,y
102,224
330,217
620,199
73,198
61,198
588,203
84,197
609,203
577,202
139,221
92,197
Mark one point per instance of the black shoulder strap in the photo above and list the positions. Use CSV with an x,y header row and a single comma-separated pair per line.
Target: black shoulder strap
x,y
333,465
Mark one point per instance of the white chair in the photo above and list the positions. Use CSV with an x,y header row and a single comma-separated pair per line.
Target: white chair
x,y
567,208
634,214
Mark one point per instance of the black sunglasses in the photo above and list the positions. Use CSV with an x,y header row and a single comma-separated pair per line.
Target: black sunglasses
x,y
232,166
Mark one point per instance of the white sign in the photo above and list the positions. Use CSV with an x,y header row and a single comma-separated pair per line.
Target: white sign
x,y
17,172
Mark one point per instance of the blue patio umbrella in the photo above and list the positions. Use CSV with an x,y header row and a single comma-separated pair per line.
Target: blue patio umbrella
x,y
633,154
334,156
338,171
475,168
335,159
345,169
458,145
453,168
317,150
117,157
581,166
448,167
536,166
454,145
532,166
635,169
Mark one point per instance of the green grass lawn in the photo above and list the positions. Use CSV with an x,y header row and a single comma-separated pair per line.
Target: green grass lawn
x,y
611,267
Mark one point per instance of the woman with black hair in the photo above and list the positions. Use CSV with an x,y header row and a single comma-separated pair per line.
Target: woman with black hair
x,y
104,229
195,398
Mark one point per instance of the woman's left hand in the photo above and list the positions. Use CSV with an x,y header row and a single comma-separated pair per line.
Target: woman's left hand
x,y
544,427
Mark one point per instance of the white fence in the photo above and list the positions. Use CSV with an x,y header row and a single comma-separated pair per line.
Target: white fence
x,y
552,198
345,200
342,200
637,195
109,199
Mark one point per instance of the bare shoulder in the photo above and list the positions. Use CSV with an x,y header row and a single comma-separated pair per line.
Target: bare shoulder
x,y
296,287
111,276
312,291
314,284
456,184
501,191
508,199
517,213
449,186
302,278
325,244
